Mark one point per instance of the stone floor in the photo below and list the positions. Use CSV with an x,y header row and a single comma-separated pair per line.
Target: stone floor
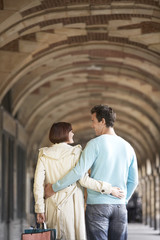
x,y
142,232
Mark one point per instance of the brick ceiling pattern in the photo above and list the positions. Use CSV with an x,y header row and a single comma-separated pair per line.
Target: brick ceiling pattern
x,y
59,58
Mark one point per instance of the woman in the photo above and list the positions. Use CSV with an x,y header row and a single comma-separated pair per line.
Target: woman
x,y
64,211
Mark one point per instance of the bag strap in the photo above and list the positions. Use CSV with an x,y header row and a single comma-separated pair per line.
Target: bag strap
x,y
40,226
43,225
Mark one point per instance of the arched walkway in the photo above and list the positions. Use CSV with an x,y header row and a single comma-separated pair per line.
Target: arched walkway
x,y
57,60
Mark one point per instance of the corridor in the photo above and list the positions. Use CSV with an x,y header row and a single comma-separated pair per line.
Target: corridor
x,y
58,59
137,231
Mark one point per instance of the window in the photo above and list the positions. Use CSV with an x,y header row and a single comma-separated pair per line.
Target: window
x,y
4,180
21,176
11,178
7,177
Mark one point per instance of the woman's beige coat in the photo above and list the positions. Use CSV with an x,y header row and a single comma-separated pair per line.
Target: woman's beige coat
x,y
64,211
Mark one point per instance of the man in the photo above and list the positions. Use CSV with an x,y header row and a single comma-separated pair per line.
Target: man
x,y
111,159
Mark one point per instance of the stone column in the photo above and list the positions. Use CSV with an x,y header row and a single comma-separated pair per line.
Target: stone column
x,y
143,183
156,198
149,192
152,200
157,192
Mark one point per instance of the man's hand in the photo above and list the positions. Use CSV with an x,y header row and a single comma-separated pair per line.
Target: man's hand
x,y
48,190
117,192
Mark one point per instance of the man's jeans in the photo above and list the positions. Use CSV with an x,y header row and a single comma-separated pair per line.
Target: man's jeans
x,y
106,222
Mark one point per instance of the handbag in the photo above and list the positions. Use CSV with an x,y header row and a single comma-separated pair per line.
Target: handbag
x,y
39,233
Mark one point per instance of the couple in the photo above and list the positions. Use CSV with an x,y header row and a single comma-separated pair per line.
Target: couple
x,y
114,177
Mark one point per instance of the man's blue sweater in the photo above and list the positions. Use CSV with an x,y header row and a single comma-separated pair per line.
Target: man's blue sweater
x,y
111,159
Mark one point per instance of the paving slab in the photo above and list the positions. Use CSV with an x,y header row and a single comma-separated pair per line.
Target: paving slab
x,y
142,232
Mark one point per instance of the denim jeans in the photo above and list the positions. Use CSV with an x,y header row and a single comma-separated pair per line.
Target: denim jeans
x,y
106,222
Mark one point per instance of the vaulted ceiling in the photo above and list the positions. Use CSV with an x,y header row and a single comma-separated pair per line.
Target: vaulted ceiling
x,y
59,58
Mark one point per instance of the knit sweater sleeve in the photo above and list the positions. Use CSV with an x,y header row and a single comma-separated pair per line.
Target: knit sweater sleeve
x,y
132,181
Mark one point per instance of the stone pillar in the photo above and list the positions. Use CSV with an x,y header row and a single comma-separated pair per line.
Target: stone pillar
x,y
143,183
150,191
157,199
157,192
148,201
152,200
